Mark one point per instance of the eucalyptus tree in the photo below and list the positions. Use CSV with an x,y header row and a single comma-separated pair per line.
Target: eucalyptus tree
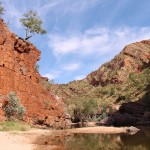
x,y
32,23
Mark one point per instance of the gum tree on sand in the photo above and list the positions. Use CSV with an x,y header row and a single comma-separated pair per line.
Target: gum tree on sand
x,y
32,23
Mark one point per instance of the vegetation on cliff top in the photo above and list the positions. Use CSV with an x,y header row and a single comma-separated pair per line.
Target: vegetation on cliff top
x,y
30,20
32,23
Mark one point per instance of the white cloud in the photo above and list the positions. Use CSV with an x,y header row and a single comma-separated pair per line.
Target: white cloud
x,y
80,77
12,15
77,6
71,67
15,8
52,75
63,6
96,40
63,45
45,8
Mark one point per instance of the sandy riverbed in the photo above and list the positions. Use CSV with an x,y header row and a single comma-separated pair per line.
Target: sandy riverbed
x,y
21,140
102,130
28,140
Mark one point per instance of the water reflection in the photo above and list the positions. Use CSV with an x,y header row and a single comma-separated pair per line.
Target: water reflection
x,y
138,141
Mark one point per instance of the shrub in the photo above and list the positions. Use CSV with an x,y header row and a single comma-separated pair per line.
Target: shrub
x,y
103,116
83,108
46,83
51,81
141,80
112,92
104,92
90,106
13,109
37,67
106,110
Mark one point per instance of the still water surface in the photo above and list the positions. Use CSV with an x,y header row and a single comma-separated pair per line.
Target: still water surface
x,y
79,141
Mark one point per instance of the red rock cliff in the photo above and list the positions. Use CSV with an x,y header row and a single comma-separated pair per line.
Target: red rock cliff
x,y
17,73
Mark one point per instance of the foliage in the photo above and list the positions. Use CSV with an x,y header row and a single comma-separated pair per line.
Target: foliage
x,y
13,109
104,92
32,22
37,67
106,110
135,86
105,106
90,107
51,81
46,84
13,126
112,92
1,9
83,108
75,93
140,80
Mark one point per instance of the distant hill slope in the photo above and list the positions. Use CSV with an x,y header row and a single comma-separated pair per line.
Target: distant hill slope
x,y
133,59
126,78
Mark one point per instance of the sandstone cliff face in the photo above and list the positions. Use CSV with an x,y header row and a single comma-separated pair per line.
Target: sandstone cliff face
x,y
17,73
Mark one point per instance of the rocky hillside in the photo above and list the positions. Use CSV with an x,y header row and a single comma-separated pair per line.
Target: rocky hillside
x,y
18,74
121,87
132,59
124,79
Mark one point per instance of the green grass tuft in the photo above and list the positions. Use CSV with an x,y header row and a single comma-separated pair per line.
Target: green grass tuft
x,y
13,126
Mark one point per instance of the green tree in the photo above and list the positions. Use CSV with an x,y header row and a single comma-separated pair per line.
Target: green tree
x,y
32,23
83,108
1,9
141,80
13,109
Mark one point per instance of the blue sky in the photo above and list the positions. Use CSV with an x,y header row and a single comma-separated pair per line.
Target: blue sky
x,y
81,34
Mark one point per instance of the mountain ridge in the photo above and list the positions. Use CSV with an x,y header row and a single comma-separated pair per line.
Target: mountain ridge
x,y
123,79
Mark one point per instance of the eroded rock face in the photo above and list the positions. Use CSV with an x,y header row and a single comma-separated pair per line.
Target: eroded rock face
x,y
134,58
17,73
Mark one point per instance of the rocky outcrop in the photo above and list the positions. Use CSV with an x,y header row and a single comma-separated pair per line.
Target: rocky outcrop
x,y
17,73
134,58
132,113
